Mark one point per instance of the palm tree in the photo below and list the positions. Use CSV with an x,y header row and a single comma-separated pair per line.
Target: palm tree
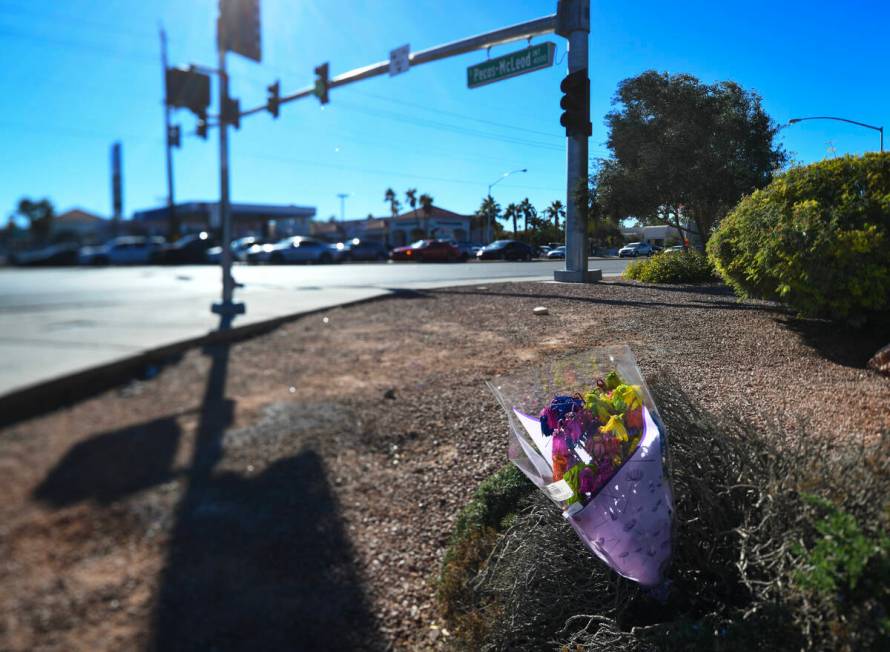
x,y
488,212
426,205
554,211
411,199
528,211
512,212
394,205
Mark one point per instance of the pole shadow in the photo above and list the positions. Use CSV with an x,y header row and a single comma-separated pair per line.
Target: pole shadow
x,y
258,563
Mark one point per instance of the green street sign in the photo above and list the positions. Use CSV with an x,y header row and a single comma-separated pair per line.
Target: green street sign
x,y
536,57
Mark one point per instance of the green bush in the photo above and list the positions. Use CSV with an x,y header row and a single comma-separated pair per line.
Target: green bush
x,y
688,266
817,238
489,513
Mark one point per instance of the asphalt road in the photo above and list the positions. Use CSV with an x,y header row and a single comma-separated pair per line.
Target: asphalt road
x,y
55,322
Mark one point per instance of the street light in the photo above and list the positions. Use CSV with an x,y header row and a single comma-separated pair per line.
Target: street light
x,y
492,185
880,130
342,196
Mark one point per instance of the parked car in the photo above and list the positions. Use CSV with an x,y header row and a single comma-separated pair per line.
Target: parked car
x,y
506,250
557,254
51,256
239,249
635,249
675,248
357,249
295,249
427,251
188,250
543,250
126,250
467,249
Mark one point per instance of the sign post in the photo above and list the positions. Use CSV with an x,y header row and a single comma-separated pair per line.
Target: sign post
x,y
535,57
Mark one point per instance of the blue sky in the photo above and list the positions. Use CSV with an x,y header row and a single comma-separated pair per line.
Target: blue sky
x,y
79,75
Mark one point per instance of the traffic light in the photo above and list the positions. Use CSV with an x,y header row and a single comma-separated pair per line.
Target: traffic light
x,y
322,83
231,112
576,104
174,136
239,27
187,88
274,100
201,129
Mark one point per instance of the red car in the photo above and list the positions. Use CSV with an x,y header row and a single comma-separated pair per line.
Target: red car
x,y
427,251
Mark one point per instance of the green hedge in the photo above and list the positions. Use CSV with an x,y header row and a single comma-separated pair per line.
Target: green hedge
x,y
817,238
688,266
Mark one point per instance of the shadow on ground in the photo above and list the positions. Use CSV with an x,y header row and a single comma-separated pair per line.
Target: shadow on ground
x,y
254,562
843,345
112,465
258,563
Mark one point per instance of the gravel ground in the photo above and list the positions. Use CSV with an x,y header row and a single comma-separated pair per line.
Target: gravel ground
x,y
296,490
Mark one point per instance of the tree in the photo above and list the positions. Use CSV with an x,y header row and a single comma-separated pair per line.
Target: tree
x,y
426,206
512,213
554,211
39,215
411,199
528,212
394,205
683,151
488,213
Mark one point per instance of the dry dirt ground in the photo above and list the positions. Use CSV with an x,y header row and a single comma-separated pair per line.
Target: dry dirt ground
x,y
296,491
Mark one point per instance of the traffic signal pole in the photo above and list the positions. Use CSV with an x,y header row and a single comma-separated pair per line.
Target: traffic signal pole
x,y
172,225
574,25
226,309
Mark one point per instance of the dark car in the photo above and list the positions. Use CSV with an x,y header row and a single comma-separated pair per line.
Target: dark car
x,y
51,256
356,249
427,251
189,250
506,250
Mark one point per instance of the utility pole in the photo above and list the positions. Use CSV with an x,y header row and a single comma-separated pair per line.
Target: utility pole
x,y
172,223
342,197
573,23
227,309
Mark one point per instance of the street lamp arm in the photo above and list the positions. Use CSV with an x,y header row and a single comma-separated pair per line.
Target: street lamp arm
x,y
829,117
502,177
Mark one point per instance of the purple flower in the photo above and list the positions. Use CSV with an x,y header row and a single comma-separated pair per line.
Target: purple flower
x,y
560,445
572,428
587,480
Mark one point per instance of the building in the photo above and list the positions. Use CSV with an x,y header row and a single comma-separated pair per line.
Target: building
x,y
659,235
401,229
77,225
264,220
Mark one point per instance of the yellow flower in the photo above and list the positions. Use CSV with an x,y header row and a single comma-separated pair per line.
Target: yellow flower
x,y
630,395
599,405
616,425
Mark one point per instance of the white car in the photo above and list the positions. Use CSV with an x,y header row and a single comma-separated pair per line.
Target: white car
x,y
239,248
296,249
635,249
559,253
126,250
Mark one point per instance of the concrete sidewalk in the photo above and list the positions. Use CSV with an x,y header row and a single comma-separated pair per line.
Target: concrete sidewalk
x,y
60,324
37,347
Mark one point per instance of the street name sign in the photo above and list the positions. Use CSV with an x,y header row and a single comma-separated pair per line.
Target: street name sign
x,y
535,57
399,60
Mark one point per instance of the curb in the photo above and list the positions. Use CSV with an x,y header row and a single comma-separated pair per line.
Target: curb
x,y
45,397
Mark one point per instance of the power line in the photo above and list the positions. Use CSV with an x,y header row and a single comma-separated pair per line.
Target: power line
x,y
443,126
459,115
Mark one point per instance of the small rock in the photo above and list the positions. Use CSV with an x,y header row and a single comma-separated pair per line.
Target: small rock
x,y
390,394
541,310
880,361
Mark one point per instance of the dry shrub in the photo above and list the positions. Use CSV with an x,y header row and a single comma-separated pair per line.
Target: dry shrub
x,y
759,562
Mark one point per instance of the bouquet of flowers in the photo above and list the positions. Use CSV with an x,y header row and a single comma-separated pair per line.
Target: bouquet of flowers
x,y
585,430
